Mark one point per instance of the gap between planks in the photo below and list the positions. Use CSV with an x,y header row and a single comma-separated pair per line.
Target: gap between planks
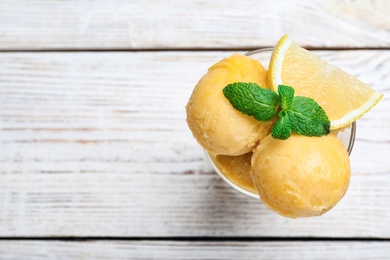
x,y
184,49
202,239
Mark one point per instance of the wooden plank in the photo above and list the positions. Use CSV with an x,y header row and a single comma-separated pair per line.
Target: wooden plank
x,y
96,144
193,250
116,24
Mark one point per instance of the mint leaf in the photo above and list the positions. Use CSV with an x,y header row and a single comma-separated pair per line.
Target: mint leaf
x,y
282,127
307,117
286,95
253,100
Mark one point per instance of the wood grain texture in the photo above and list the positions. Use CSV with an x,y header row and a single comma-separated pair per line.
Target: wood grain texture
x,y
96,144
171,250
119,24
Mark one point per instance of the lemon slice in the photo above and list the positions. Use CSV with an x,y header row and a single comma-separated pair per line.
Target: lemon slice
x,y
343,97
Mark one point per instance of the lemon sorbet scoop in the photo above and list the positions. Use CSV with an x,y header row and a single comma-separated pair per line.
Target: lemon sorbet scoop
x,y
301,176
237,169
215,124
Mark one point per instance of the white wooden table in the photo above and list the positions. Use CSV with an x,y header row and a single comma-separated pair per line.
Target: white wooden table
x,y
97,162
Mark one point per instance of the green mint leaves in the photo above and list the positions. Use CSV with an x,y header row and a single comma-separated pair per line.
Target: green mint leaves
x,y
250,99
297,114
282,128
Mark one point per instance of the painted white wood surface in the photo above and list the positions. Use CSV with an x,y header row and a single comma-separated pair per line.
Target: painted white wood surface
x,y
171,250
118,24
96,144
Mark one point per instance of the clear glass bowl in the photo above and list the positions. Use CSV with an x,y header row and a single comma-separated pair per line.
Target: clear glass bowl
x,y
346,135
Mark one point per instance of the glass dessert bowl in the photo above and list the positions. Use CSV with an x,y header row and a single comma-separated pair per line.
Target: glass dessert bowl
x,y
235,170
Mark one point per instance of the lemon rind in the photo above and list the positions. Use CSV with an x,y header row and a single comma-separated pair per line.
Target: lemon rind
x,y
357,113
277,58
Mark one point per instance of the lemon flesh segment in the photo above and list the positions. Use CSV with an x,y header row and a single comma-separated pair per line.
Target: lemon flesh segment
x,y
343,97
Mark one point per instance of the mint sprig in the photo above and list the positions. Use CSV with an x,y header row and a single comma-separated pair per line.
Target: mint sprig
x,y
298,114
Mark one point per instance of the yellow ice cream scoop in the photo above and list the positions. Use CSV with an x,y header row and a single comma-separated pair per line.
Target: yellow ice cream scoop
x,y
301,176
236,169
215,124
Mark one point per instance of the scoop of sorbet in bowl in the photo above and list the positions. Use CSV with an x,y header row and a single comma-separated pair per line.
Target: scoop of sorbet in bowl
x,y
301,176
215,124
